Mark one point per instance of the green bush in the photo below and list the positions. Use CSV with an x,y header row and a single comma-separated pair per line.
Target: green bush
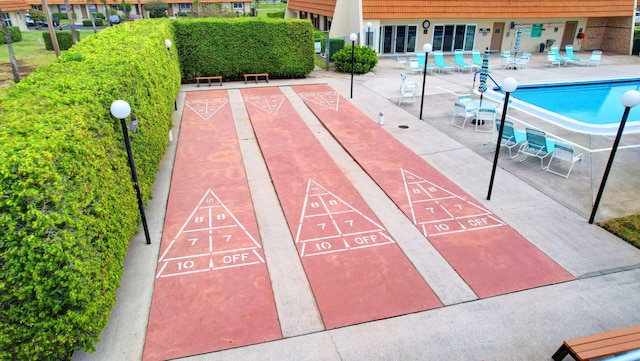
x,y
14,33
365,59
67,205
276,14
63,16
233,47
334,44
87,22
98,15
65,39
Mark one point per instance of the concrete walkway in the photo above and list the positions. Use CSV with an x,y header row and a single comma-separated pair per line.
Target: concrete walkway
x,y
547,210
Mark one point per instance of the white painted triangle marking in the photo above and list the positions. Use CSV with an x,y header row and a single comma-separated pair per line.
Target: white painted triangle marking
x,y
206,108
211,238
437,211
267,103
328,224
328,99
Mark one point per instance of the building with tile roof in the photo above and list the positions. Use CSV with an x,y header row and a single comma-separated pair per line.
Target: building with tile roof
x,y
401,27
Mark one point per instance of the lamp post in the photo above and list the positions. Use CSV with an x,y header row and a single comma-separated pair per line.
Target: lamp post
x,y
509,85
121,110
368,34
353,38
629,99
427,49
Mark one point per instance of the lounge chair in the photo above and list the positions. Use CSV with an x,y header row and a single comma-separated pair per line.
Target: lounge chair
x,y
568,49
458,57
415,66
537,145
462,111
477,58
596,55
438,58
486,116
563,59
552,60
401,62
422,58
564,152
511,138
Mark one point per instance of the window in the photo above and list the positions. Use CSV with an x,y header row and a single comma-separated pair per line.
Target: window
x,y
6,18
238,6
93,8
399,39
185,7
451,37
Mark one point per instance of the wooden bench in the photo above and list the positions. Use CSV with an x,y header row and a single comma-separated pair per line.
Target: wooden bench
x,y
256,76
209,79
600,345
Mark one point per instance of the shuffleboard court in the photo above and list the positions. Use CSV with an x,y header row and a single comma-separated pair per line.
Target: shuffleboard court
x,y
212,290
487,253
356,270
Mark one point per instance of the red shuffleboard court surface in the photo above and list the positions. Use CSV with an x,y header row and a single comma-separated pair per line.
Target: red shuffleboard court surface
x,y
212,290
487,253
356,270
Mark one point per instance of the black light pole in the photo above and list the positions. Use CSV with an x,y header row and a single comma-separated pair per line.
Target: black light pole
x,y
353,38
427,49
121,110
629,99
509,85
369,34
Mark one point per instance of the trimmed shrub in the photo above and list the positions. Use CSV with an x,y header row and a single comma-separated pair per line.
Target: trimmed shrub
x,y
276,14
365,59
14,33
87,22
63,16
233,47
67,207
99,15
65,39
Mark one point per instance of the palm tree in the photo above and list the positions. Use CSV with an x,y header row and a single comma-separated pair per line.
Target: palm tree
x,y
12,56
93,20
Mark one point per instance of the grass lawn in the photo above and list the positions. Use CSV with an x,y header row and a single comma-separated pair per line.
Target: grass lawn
x,y
627,228
30,54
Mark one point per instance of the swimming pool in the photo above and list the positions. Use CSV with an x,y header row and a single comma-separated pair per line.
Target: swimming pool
x,y
591,107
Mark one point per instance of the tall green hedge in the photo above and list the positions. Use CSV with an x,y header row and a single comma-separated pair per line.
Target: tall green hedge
x,y
14,33
233,47
67,205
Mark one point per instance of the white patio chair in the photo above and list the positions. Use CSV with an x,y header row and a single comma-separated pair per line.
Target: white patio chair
x,y
401,62
408,89
486,116
564,152
461,111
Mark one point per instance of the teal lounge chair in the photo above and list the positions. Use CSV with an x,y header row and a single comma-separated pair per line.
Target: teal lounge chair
x,y
511,138
569,50
477,58
438,58
563,60
422,57
537,145
458,57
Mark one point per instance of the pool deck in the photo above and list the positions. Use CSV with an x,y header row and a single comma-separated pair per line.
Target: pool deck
x,y
549,211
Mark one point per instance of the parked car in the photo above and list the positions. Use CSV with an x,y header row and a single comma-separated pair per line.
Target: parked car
x,y
114,19
134,17
29,21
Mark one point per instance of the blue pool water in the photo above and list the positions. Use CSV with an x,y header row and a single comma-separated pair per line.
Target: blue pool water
x,y
591,107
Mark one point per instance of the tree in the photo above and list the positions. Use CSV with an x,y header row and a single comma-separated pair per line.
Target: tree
x,y
156,9
37,16
72,25
12,56
93,20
